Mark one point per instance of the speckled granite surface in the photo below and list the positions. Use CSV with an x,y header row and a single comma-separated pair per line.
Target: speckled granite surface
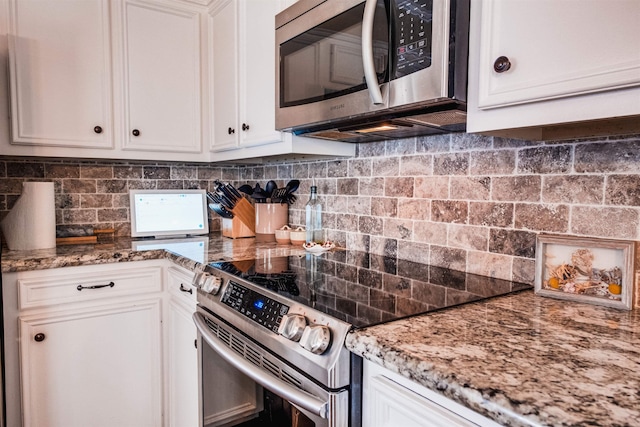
x,y
521,359
123,250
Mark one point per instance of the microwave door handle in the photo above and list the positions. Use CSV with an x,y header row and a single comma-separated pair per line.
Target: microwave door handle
x,y
367,52
276,385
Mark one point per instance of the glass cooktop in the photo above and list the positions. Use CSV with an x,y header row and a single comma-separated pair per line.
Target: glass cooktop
x,y
365,289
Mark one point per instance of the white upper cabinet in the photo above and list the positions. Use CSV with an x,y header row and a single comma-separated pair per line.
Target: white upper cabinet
x,y
257,70
223,30
243,48
542,62
162,83
105,79
242,76
60,82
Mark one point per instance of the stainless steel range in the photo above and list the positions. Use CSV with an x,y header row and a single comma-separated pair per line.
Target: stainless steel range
x,y
271,331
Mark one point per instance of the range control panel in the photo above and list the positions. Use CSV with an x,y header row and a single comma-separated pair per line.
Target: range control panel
x,y
259,308
412,36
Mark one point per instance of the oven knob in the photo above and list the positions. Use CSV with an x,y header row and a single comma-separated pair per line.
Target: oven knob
x,y
292,326
316,338
212,284
198,279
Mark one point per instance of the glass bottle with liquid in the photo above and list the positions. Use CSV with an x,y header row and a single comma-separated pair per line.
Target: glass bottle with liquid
x,y
313,216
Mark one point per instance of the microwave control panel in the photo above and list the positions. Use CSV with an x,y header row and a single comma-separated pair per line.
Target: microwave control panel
x,y
413,21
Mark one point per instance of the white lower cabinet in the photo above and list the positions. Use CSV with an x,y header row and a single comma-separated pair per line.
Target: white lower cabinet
x,y
391,400
98,366
182,355
83,345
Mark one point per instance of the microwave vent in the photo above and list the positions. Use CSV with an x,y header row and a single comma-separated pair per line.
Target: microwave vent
x,y
442,118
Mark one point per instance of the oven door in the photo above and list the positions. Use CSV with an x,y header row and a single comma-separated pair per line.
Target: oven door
x,y
241,384
325,62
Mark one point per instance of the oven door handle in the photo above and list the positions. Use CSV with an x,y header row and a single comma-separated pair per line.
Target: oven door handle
x,y
285,390
367,52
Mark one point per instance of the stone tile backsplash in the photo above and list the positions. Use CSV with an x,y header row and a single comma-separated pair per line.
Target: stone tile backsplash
x,y
461,201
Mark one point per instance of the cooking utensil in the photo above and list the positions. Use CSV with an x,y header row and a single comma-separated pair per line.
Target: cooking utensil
x,y
278,195
246,189
293,185
270,188
287,196
259,195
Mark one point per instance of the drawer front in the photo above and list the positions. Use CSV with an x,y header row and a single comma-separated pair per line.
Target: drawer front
x,y
179,284
59,286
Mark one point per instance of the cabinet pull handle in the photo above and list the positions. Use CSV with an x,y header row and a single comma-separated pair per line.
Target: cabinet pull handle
x,y
97,129
231,131
501,64
245,126
183,289
110,284
39,337
195,343
135,132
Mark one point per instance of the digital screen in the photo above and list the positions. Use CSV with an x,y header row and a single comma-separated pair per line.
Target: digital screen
x,y
168,212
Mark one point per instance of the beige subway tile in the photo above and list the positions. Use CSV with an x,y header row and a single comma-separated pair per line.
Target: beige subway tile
x,y
581,189
413,209
538,217
430,232
620,223
470,188
489,264
432,187
468,237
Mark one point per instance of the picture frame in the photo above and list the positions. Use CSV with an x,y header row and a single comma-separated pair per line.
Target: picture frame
x,y
590,270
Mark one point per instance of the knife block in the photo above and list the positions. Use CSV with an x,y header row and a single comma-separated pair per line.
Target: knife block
x,y
243,223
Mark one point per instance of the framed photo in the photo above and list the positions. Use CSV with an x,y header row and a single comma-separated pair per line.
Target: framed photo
x,y
597,271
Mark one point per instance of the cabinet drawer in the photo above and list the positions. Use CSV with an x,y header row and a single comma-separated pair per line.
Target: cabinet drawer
x,y
179,284
59,286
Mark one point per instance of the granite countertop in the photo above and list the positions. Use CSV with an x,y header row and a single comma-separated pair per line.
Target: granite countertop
x,y
124,249
520,359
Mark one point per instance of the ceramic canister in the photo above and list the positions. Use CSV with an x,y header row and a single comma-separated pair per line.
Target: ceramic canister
x,y
269,218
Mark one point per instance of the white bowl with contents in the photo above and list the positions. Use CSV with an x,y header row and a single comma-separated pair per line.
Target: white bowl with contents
x,y
298,236
282,235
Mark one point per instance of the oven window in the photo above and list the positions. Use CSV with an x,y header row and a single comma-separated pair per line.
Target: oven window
x,y
326,61
278,413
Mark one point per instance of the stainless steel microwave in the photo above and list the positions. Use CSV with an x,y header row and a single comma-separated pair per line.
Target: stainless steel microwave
x,y
364,70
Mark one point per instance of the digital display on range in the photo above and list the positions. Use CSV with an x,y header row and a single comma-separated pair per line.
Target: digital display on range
x,y
259,308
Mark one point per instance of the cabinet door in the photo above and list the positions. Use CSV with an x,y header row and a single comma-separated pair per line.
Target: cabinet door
x,y
556,49
182,354
391,400
182,378
224,75
93,367
257,70
60,73
162,78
